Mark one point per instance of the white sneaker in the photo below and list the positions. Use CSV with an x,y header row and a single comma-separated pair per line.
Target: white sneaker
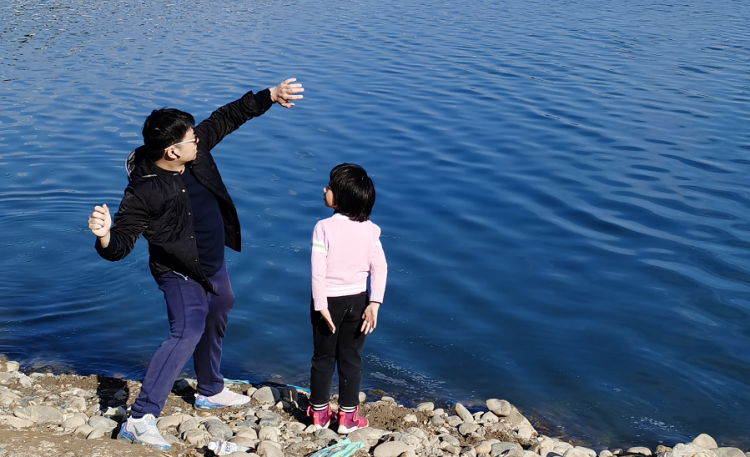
x,y
221,400
143,431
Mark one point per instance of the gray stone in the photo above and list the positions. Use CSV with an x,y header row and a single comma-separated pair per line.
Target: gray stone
x,y
196,437
269,434
506,449
638,450
454,421
500,407
410,418
455,450
218,429
271,421
76,404
369,436
489,418
326,434
690,450
24,381
102,423
15,422
75,421
426,406
705,441
303,448
167,422
728,452
6,378
96,433
526,432
248,433
362,397
575,452
437,421
391,449
605,453
419,433
266,395
463,413
83,431
449,439
268,449
467,428
11,366
40,414
187,425
8,399
485,447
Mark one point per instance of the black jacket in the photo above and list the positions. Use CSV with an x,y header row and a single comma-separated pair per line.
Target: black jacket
x,y
156,204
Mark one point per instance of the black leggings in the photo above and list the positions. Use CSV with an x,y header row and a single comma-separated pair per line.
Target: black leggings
x,y
342,349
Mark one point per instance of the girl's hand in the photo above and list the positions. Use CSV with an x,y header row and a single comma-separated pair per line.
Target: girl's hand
x,y
370,317
326,315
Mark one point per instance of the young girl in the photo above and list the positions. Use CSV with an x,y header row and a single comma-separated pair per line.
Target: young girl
x,y
345,249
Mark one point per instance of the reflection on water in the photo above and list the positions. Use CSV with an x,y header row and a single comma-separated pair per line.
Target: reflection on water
x,y
561,188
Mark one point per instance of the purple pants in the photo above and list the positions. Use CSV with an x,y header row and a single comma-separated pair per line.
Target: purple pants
x,y
197,321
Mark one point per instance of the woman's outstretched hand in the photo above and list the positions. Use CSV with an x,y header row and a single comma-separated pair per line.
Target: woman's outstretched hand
x,y
285,92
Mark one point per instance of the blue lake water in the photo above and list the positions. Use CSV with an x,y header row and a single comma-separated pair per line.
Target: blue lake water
x,y
562,189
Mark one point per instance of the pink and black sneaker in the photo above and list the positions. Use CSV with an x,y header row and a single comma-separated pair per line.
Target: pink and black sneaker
x,y
321,419
349,422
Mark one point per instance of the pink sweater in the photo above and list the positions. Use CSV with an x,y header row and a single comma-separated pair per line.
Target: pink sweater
x,y
344,252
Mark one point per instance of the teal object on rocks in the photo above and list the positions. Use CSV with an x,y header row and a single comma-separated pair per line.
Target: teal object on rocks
x,y
343,448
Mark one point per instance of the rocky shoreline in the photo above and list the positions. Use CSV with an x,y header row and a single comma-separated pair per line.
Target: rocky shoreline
x,y
42,414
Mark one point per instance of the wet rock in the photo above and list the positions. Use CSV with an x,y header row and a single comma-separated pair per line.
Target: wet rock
x,y
463,413
391,449
639,450
705,441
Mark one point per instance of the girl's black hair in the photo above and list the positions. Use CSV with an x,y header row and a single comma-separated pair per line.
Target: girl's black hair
x,y
163,128
353,191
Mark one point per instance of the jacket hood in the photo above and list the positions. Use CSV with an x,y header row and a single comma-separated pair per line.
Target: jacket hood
x,y
139,166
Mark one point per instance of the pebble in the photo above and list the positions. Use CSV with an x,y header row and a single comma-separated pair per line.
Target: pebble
x,y
268,434
463,413
102,423
326,434
639,450
267,449
729,452
266,395
500,408
410,418
426,406
96,434
368,435
690,450
391,449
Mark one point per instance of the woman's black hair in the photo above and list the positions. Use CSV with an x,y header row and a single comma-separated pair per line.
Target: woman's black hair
x,y
353,191
163,128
